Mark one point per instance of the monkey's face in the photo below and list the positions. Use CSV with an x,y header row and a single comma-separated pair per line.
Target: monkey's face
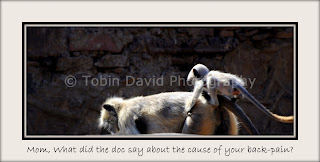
x,y
108,120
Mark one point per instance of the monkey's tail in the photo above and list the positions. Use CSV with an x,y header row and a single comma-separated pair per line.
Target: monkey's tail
x,y
284,119
280,118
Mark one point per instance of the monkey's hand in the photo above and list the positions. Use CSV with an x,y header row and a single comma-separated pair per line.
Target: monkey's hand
x,y
198,88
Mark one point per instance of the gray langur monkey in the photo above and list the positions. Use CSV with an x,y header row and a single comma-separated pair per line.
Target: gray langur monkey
x,y
216,82
165,113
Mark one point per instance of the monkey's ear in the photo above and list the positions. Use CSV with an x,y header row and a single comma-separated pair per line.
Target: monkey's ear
x,y
109,107
196,73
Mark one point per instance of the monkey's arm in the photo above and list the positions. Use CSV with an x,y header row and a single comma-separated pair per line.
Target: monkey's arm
x,y
196,93
127,124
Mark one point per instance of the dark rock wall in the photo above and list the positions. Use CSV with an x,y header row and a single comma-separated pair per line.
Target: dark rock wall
x,y
265,54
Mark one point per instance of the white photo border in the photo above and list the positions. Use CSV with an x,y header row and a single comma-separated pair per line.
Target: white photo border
x,y
15,12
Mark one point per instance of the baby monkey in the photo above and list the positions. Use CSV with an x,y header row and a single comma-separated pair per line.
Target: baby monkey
x,y
216,82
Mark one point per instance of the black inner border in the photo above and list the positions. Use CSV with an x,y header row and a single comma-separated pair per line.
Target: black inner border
x,y
158,138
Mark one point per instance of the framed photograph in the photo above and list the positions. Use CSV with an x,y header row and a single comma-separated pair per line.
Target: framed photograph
x,y
84,72
105,85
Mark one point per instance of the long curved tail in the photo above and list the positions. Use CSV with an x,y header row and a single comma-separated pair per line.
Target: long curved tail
x,y
280,118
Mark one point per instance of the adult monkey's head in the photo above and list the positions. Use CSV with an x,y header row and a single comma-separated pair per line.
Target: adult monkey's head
x,y
108,121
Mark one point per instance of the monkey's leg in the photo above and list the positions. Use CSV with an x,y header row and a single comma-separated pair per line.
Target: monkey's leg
x,y
234,124
196,124
196,93
202,120
186,127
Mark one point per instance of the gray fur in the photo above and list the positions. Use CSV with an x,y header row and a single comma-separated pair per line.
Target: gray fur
x,y
162,113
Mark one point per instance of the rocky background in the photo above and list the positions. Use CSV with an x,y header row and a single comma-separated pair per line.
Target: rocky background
x,y
264,53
